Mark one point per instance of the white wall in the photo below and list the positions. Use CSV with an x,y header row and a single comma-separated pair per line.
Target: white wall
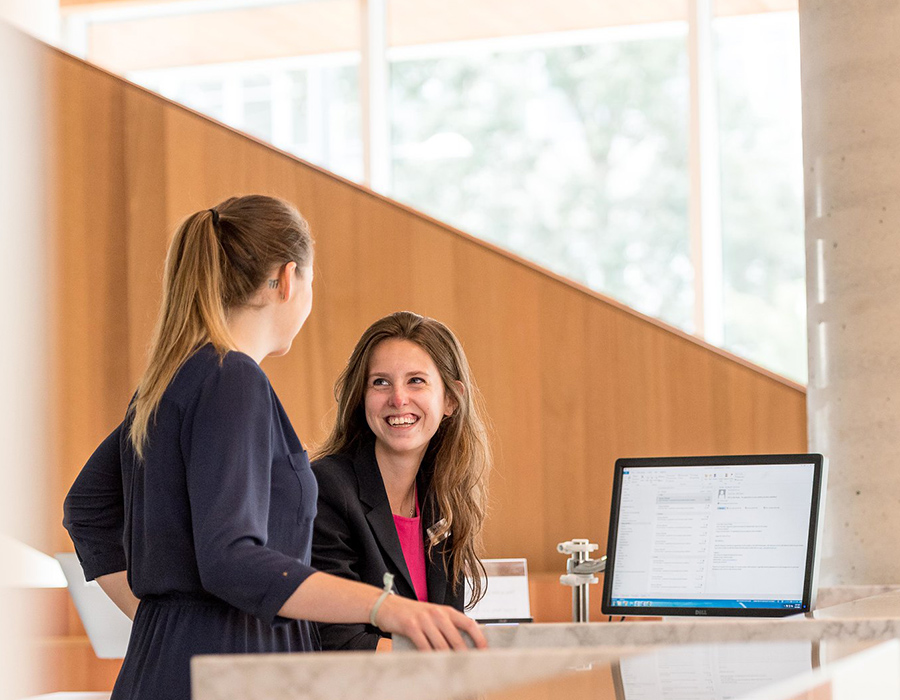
x,y
37,17
26,286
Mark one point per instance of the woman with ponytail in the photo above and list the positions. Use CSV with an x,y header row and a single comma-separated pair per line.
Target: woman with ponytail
x,y
195,515
402,477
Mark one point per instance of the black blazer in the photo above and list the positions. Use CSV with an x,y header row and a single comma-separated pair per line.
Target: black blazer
x,y
354,537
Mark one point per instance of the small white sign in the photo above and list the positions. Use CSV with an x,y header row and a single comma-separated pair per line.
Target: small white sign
x,y
506,599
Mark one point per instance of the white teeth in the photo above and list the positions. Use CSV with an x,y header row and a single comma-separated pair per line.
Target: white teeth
x,y
401,420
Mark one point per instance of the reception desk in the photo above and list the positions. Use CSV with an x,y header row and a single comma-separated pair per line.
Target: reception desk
x,y
749,671
821,655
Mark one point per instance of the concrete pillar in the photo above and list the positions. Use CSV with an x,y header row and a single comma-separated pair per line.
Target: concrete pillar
x,y
850,67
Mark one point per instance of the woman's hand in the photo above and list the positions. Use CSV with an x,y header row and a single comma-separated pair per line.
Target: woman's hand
x,y
326,598
117,588
429,626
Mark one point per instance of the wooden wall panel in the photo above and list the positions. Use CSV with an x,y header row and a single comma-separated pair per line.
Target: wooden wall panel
x,y
571,380
146,227
69,663
91,322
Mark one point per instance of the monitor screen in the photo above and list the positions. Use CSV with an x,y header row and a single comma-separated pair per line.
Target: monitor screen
x,y
729,535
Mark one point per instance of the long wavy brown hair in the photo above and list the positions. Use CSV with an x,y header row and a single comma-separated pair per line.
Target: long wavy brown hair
x,y
217,261
462,455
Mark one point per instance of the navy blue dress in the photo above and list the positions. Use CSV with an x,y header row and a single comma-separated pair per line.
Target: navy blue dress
x,y
214,526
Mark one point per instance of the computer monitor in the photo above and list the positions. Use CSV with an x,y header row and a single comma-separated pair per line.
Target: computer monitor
x,y
704,536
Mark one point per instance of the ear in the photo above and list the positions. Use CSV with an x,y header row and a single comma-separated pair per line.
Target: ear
x,y
287,281
450,403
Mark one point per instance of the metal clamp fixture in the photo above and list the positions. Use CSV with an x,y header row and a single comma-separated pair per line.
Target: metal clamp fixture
x,y
580,570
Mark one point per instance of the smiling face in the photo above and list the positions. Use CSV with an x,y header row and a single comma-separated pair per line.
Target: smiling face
x,y
405,399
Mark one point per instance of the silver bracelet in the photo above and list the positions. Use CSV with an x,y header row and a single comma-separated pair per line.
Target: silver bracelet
x,y
388,590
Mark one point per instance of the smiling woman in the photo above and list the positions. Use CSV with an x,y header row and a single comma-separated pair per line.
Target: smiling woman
x,y
402,477
405,403
195,515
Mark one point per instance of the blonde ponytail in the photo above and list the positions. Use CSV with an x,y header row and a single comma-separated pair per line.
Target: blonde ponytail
x,y
217,260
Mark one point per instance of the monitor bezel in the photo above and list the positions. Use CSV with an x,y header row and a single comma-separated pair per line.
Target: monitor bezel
x,y
815,519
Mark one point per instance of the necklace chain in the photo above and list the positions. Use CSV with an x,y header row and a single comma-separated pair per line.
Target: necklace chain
x,y
412,508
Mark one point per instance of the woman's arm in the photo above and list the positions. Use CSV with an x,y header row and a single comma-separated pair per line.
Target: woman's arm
x,y
94,516
117,588
95,510
327,598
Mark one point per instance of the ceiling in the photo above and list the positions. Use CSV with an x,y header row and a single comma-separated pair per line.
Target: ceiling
x,y
165,36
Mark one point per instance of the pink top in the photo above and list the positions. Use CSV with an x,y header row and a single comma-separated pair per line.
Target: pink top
x,y
413,545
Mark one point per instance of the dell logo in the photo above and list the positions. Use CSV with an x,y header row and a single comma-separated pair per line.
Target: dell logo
x,y
699,612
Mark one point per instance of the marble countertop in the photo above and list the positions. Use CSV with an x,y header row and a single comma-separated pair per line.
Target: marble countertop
x,y
863,628
775,670
867,619
830,596
885,605
396,676
745,671
528,654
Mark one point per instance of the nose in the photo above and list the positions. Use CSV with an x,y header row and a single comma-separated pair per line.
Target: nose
x,y
399,396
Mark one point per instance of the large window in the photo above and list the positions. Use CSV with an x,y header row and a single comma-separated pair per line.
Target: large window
x,y
307,107
758,80
565,132
285,71
574,156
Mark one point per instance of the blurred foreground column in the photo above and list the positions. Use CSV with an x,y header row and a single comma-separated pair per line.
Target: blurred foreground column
x,y
26,286
850,54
